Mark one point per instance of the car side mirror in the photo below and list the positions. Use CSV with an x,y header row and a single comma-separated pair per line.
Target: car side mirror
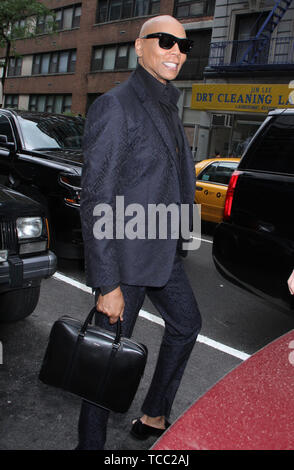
x,y
4,142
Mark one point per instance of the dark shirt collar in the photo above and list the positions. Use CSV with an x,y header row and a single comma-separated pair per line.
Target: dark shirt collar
x,y
167,94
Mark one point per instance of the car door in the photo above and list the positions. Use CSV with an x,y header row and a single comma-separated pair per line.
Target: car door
x,y
6,156
211,188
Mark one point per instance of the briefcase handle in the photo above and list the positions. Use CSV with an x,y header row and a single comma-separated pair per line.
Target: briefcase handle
x,y
89,319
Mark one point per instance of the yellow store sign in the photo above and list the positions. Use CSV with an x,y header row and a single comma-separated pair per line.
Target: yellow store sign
x,y
254,98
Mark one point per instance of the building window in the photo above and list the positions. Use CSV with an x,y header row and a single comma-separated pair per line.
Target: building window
x,y
184,8
114,57
245,47
50,103
110,10
20,23
14,66
54,62
197,59
44,24
11,101
65,18
68,17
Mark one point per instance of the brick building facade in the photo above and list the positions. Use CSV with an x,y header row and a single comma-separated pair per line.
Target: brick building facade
x,y
93,51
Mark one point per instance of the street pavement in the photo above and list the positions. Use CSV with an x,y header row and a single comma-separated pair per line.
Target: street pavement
x,y
35,416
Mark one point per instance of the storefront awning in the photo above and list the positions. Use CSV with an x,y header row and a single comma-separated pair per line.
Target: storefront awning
x,y
249,98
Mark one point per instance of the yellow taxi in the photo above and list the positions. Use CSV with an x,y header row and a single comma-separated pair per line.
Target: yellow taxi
x,y
212,179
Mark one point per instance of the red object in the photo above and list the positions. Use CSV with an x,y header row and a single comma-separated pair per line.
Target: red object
x,y
251,408
230,194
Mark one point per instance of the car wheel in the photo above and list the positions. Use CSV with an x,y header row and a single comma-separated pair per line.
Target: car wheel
x,y
18,304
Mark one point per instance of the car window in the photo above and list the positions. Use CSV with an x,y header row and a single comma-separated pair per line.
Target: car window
x,y
273,149
219,172
52,132
224,172
5,128
208,173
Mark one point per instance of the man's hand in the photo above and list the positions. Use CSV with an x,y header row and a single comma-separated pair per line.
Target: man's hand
x,y
112,305
291,283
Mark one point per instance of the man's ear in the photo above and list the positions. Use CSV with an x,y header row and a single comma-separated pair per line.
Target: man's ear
x,y
139,47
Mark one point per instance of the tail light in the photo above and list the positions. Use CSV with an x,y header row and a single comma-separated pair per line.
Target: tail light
x,y
230,194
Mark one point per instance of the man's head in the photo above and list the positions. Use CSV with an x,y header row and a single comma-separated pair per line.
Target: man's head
x,y
163,64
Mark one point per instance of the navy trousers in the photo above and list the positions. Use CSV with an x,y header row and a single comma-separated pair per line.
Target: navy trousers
x,y
178,307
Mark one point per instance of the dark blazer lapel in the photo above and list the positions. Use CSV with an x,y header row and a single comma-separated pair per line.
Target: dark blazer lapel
x,y
154,112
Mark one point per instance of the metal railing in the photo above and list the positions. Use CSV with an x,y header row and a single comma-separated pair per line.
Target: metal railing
x,y
252,52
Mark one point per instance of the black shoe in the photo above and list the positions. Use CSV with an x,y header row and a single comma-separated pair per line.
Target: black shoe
x,y
142,431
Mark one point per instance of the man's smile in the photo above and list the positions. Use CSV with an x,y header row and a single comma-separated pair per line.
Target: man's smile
x,y
171,65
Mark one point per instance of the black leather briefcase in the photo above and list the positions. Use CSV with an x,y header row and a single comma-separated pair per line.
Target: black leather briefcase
x,y
95,364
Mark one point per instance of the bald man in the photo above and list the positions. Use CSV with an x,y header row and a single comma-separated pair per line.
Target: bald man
x,y
135,147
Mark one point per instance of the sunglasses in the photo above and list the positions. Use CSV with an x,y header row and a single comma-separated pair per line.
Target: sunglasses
x,y
167,41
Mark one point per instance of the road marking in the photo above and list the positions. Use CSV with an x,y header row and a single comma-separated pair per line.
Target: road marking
x,y
203,239
201,339
153,318
73,282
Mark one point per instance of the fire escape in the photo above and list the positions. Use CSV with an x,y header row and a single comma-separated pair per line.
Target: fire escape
x,y
263,36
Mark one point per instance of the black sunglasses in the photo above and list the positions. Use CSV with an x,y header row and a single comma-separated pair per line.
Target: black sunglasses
x,y
167,41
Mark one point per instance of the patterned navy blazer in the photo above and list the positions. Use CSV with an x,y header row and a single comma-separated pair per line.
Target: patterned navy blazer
x,y
128,151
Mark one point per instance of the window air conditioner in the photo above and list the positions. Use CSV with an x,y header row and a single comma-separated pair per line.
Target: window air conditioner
x,y
222,120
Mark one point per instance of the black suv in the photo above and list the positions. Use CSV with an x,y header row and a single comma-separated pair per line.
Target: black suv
x,y
41,157
24,255
254,246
